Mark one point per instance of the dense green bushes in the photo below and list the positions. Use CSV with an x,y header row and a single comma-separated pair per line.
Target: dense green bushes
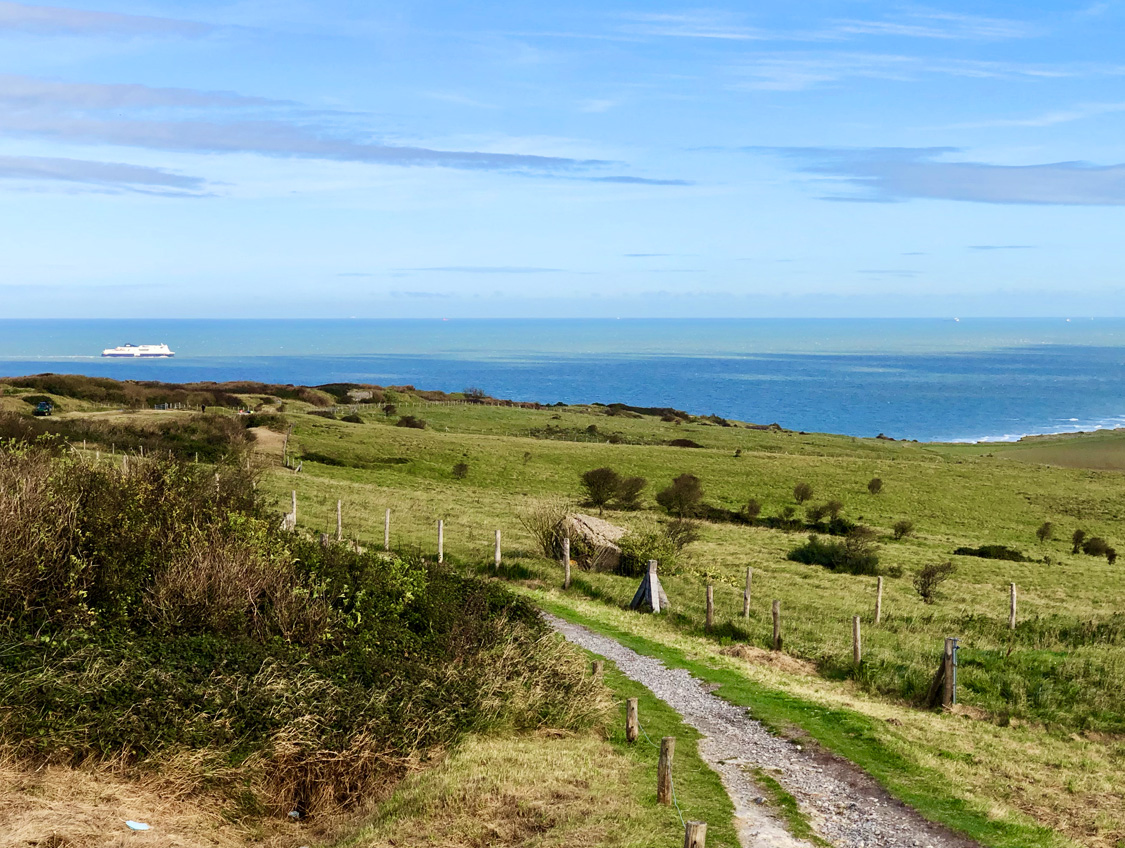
x,y
992,552
161,609
856,554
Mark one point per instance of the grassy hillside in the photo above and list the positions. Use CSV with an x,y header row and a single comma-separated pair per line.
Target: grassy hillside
x,y
1037,736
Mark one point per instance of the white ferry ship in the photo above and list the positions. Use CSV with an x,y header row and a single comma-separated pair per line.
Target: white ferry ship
x,y
160,351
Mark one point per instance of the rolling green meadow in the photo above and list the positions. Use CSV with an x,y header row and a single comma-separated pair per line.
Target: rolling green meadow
x,y
1032,753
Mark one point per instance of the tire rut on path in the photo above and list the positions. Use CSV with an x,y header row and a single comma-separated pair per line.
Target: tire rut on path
x,y
845,806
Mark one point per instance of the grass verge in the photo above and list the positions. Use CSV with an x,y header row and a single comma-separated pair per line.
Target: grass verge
x,y
845,733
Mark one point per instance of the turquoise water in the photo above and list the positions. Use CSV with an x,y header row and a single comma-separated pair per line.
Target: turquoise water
x,y
923,379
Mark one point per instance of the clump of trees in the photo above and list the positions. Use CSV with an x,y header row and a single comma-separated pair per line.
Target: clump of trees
x,y
605,487
929,577
1092,546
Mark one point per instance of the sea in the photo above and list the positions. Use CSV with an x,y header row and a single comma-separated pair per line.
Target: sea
x,y
925,379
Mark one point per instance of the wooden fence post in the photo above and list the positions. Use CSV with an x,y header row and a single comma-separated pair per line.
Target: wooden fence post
x,y
878,599
857,652
566,562
777,625
746,594
339,521
441,540
1012,608
387,531
632,723
947,666
496,558
710,607
664,770
695,834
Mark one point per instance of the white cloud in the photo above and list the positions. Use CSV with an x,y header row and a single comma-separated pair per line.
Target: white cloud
x,y
57,20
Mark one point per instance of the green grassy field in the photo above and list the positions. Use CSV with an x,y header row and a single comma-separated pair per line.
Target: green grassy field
x,y
1046,699
1038,737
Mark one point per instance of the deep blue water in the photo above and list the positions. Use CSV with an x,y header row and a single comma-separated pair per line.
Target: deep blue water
x,y
924,379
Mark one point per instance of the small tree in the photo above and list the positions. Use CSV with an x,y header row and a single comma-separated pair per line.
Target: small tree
x,y
629,492
681,532
802,492
1046,532
460,471
752,510
929,577
601,486
875,486
1076,540
815,514
903,528
683,497
833,509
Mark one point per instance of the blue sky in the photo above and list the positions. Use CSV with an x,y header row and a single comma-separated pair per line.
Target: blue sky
x,y
434,159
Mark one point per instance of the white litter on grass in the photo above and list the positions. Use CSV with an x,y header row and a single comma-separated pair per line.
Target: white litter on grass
x,y
132,825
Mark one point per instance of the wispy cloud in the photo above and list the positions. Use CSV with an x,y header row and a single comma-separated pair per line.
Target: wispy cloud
x,y
488,269
940,25
104,174
897,174
639,181
1001,246
644,255
58,20
692,25
1045,119
30,92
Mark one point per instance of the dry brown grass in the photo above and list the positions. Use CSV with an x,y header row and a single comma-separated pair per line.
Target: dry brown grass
x,y
774,659
546,789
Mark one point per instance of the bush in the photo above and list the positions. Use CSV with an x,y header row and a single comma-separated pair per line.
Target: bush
x,y
929,577
875,485
684,443
683,497
163,610
1111,555
460,471
1046,532
638,547
992,552
1076,540
681,532
833,509
903,528
544,520
323,413
855,555
389,409
1095,546
802,492
752,510
412,422
601,486
352,418
629,493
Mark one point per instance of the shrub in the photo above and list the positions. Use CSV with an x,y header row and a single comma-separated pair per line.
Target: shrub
x,y
875,485
737,453
683,497
460,471
1076,540
1111,555
629,493
833,509
815,514
389,409
475,395
802,492
601,486
412,422
1046,532
684,443
1095,546
681,532
903,528
638,547
992,552
352,418
752,510
856,554
323,413
929,577
544,520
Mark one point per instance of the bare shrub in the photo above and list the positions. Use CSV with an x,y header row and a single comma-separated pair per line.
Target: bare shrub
x,y
903,528
544,520
802,492
928,578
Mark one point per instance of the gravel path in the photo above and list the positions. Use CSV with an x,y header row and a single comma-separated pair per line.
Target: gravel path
x,y
845,806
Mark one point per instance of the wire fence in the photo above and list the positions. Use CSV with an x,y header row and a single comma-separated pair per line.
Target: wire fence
x,y
671,780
